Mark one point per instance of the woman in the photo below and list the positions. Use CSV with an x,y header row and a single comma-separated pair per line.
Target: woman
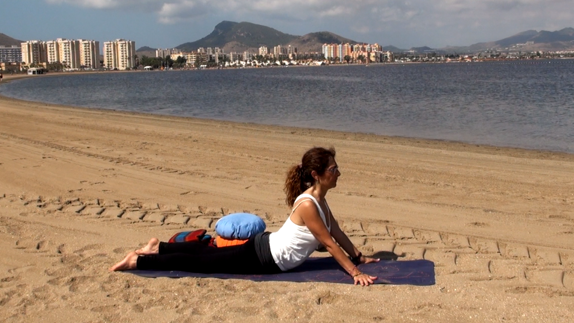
x,y
310,225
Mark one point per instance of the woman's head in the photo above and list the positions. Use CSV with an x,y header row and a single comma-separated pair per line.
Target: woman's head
x,y
300,177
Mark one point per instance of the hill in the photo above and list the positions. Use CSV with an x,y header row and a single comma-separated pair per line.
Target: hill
x,y
146,51
528,41
312,42
531,40
8,41
233,36
238,37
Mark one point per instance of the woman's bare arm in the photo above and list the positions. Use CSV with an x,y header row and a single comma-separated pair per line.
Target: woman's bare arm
x,y
309,215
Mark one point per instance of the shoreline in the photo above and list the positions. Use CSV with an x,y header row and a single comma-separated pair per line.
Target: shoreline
x,y
81,187
415,141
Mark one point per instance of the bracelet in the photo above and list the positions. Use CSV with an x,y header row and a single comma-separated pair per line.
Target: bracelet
x,y
357,258
357,274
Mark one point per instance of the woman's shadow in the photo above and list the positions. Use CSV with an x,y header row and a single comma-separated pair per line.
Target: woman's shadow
x,y
386,255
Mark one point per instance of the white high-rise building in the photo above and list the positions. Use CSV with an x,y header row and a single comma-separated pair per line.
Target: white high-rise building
x,y
119,54
52,52
263,50
33,52
163,53
72,54
69,53
89,53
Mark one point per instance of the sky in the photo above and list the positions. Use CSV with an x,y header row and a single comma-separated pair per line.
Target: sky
x,y
170,23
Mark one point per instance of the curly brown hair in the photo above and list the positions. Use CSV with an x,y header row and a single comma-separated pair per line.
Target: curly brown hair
x,y
299,176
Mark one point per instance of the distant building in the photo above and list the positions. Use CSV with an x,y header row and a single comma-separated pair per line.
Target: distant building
x,y
90,53
370,52
263,50
69,53
163,53
73,54
66,52
33,52
11,67
52,51
328,51
119,54
10,54
279,51
191,58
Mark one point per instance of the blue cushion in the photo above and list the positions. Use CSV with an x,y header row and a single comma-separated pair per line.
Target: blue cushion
x,y
239,226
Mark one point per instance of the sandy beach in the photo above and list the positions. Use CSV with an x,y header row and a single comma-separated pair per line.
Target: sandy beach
x,y
79,188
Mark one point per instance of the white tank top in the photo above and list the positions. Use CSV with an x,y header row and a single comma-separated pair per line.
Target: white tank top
x,y
293,243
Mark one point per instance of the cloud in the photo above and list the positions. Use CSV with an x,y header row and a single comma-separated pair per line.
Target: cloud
x,y
182,10
373,11
421,20
129,5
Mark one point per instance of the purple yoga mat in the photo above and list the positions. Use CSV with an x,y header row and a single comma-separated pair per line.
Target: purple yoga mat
x,y
412,272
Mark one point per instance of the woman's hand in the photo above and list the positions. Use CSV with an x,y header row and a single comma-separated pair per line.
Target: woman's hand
x,y
364,279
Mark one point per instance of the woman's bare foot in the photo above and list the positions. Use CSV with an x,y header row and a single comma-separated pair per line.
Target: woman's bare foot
x,y
152,248
129,262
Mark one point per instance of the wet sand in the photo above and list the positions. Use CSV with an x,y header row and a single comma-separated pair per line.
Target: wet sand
x,y
79,188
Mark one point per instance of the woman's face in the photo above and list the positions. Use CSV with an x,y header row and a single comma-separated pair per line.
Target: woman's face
x,y
332,173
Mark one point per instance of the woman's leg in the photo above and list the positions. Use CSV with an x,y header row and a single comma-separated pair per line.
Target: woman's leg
x,y
128,263
241,259
189,247
154,246
151,248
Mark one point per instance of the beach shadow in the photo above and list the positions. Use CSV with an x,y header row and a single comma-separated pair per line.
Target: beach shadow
x,y
386,255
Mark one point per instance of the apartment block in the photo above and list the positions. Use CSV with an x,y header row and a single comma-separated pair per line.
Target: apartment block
x,y
69,53
10,54
191,58
72,54
263,51
52,51
371,52
119,54
89,53
163,53
33,52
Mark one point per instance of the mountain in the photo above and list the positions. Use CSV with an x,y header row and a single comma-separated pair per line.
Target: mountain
x,y
393,49
237,37
531,40
519,38
312,42
422,49
8,41
526,41
146,51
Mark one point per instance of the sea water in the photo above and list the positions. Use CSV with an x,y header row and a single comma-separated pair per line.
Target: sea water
x,y
525,104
